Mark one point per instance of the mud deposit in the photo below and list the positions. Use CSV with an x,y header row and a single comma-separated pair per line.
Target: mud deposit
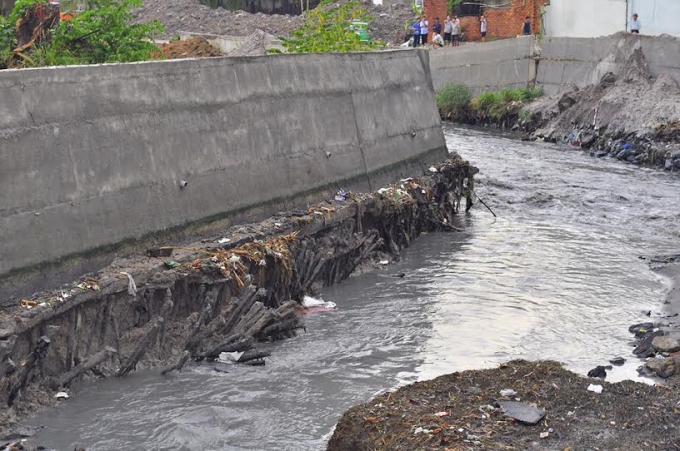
x,y
463,411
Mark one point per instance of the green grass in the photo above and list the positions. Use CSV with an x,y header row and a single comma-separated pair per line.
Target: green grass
x,y
503,106
500,105
453,99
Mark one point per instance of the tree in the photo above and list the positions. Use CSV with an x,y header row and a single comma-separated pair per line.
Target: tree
x,y
328,28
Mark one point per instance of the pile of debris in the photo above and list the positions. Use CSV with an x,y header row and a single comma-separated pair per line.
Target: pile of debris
x,y
629,116
196,47
519,405
192,16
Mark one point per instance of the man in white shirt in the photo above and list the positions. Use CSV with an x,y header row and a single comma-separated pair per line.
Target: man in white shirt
x,y
635,25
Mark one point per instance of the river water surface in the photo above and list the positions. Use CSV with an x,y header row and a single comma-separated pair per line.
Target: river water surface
x,y
558,275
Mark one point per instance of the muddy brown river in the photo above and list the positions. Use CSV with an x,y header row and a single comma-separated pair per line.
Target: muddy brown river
x,y
558,275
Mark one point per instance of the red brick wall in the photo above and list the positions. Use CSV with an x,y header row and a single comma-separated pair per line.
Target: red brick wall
x,y
501,23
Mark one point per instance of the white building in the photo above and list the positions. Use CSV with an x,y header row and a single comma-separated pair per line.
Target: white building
x,y
591,18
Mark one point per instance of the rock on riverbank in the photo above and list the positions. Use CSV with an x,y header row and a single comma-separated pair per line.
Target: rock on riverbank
x,y
461,411
659,341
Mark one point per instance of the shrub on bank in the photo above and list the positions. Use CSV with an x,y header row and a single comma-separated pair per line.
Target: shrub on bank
x,y
330,27
494,107
453,100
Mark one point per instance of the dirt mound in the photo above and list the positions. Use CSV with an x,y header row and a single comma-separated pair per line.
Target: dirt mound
x,y
631,102
461,411
189,48
192,16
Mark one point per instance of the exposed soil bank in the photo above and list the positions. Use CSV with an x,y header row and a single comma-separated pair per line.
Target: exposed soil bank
x,y
629,115
223,294
460,412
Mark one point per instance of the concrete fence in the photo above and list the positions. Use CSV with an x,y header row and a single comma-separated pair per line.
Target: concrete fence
x,y
93,156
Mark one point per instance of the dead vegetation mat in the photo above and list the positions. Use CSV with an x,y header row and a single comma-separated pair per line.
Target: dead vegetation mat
x,y
459,412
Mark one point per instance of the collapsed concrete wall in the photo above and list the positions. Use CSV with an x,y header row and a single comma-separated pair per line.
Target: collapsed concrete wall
x,y
486,66
93,156
569,62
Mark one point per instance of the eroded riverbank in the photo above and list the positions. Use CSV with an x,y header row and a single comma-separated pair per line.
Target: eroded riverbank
x,y
556,276
224,294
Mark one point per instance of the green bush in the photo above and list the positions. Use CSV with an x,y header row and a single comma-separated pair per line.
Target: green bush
x,y
327,28
7,40
503,105
103,33
486,100
453,98
532,93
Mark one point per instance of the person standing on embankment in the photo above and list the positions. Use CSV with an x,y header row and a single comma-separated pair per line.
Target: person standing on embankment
x,y
455,33
416,32
448,27
482,27
635,25
424,30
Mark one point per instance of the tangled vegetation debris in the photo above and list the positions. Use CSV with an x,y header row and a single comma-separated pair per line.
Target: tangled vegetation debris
x,y
231,293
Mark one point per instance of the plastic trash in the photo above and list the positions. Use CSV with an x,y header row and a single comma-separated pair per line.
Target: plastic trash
x,y
223,240
432,169
317,304
61,395
341,195
384,262
508,392
132,287
230,356
595,388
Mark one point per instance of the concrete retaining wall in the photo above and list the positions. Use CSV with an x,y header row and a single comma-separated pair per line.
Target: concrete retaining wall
x,y
486,66
569,62
564,62
92,156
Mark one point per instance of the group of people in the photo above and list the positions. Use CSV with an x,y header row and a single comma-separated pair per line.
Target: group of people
x,y
421,29
453,32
